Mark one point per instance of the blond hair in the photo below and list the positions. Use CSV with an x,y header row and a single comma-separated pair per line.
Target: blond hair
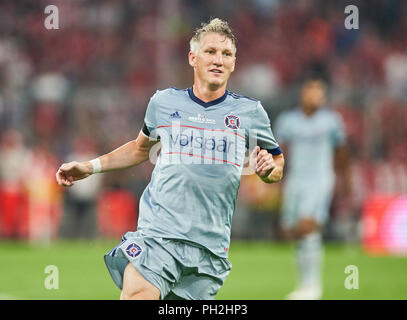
x,y
215,25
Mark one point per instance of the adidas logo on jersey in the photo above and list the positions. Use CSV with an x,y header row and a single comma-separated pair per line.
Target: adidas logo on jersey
x,y
175,115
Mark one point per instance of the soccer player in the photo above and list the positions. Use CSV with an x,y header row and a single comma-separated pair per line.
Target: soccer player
x,y
180,248
314,137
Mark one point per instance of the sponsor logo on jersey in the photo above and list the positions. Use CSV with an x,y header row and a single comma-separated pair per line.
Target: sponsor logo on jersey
x,y
232,122
133,250
175,115
214,141
201,118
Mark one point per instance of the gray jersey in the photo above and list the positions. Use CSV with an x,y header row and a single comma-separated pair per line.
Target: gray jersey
x,y
310,143
194,185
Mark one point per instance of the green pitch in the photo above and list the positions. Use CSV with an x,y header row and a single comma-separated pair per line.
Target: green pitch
x,y
260,271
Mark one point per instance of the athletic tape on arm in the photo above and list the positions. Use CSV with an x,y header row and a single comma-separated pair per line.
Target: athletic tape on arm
x,y
96,165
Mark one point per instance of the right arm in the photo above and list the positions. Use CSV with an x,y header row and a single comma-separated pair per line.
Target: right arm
x,y
128,155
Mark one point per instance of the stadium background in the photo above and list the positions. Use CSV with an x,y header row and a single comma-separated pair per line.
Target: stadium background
x,y
82,90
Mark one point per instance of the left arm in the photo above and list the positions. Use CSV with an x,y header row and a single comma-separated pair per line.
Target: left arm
x,y
267,166
342,163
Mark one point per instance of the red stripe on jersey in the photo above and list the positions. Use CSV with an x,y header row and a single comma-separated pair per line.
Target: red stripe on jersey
x,y
195,155
203,129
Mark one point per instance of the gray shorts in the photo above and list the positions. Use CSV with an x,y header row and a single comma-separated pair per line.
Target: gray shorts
x,y
306,200
175,267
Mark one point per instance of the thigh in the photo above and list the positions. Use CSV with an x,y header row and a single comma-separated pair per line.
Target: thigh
x,y
136,287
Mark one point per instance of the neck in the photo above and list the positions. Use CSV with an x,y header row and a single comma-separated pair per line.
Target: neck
x,y
309,111
207,93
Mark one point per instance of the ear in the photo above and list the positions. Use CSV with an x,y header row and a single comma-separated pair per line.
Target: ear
x,y
234,63
192,59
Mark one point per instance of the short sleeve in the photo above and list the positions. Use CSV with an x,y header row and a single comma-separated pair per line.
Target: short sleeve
x,y
150,118
282,129
261,132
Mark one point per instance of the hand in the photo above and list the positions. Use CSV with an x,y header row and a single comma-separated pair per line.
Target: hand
x,y
72,171
262,162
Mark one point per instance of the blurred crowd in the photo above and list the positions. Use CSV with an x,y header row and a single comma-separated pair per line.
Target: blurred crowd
x,y
82,90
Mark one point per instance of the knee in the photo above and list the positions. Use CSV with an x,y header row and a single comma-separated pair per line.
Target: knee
x,y
306,227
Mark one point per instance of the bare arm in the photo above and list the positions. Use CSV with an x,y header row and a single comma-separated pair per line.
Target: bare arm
x,y
342,166
128,155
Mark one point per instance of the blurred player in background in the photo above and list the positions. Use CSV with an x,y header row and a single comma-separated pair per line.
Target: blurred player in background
x,y
181,244
315,141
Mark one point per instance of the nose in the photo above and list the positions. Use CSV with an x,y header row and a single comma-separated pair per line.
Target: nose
x,y
218,59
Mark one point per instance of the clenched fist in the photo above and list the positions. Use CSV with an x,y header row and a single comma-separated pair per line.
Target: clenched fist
x,y
262,162
265,166
72,171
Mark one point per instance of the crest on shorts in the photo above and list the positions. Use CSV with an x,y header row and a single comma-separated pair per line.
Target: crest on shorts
x,y
232,122
133,250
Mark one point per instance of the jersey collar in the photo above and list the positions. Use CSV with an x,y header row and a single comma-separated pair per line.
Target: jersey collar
x,y
206,104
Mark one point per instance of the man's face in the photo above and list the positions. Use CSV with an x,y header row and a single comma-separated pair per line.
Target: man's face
x,y
313,95
215,60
